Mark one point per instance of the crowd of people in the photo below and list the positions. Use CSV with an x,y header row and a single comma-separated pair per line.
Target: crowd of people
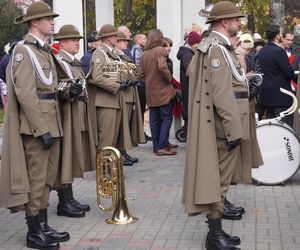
x,y
59,110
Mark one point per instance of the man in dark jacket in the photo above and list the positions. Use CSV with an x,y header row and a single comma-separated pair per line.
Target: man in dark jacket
x,y
185,55
278,73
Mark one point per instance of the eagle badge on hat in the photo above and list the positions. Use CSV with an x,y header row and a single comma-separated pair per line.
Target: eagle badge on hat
x,y
19,57
215,63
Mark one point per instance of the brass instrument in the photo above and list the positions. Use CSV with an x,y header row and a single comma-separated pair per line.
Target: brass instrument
x,y
110,185
119,71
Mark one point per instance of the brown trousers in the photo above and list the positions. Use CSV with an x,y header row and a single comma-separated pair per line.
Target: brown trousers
x,y
42,168
108,126
227,163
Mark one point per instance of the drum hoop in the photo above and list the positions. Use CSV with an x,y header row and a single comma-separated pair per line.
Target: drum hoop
x,y
279,124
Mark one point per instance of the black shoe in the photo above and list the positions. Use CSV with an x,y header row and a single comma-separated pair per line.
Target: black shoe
x,y
133,159
231,206
127,162
216,239
35,237
50,232
65,207
148,138
229,214
77,204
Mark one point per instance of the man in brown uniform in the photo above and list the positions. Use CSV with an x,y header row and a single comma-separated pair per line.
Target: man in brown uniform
x,y
78,149
217,100
104,90
131,100
32,129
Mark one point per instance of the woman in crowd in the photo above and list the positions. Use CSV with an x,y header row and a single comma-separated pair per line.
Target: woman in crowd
x,y
159,91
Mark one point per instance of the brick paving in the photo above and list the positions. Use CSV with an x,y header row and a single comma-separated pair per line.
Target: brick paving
x,y
271,222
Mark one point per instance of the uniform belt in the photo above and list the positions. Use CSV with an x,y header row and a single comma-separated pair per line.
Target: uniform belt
x,y
47,96
241,95
82,98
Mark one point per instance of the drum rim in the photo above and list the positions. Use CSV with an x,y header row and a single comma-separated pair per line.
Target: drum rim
x,y
282,124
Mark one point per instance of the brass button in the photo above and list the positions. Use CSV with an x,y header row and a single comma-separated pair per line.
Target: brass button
x,y
207,107
208,121
206,80
197,101
204,67
207,93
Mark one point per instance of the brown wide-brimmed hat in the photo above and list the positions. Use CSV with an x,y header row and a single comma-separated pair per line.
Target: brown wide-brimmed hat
x,y
107,30
68,31
222,10
36,10
122,37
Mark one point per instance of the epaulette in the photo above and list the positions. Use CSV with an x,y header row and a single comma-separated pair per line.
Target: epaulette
x,y
204,46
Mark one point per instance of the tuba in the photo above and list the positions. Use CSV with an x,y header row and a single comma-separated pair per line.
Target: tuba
x,y
110,185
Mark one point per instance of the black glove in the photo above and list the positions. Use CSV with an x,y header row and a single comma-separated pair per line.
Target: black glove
x,y
133,82
75,90
47,140
253,87
233,144
124,85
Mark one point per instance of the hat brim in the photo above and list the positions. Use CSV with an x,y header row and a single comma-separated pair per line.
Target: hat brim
x,y
24,19
99,36
67,37
216,18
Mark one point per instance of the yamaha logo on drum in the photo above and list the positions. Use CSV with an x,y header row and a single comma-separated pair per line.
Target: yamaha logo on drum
x,y
288,148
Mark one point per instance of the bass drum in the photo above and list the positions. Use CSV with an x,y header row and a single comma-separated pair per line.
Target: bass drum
x,y
280,150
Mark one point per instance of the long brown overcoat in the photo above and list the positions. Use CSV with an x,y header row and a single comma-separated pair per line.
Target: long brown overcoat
x,y
296,124
75,120
213,113
26,114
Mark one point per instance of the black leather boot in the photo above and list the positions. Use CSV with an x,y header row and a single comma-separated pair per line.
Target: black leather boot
x,y
216,239
50,232
35,237
65,207
127,162
75,203
133,159
231,214
233,207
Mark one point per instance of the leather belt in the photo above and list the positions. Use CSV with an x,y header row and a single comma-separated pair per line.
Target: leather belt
x,y
47,96
82,98
241,95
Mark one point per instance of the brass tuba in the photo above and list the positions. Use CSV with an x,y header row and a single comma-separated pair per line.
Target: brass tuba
x,y
110,185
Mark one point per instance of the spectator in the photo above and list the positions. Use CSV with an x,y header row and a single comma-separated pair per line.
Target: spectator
x,y
185,55
292,53
3,65
245,46
278,73
136,52
93,43
159,91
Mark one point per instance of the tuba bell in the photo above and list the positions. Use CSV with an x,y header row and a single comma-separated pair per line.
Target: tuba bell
x,y
110,185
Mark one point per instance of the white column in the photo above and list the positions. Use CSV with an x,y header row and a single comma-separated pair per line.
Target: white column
x,y
104,12
70,12
173,17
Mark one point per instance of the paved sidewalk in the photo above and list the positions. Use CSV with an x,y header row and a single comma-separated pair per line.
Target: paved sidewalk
x,y
272,219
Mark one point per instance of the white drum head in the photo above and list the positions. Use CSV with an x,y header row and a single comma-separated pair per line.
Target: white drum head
x,y
280,151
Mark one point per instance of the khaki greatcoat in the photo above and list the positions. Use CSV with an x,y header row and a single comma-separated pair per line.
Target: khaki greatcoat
x,y
106,102
26,115
78,153
214,115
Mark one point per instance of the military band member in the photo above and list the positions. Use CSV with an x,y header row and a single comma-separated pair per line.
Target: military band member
x,y
32,129
219,111
78,149
132,103
104,90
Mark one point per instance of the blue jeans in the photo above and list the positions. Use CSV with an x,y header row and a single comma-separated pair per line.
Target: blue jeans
x,y
160,123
